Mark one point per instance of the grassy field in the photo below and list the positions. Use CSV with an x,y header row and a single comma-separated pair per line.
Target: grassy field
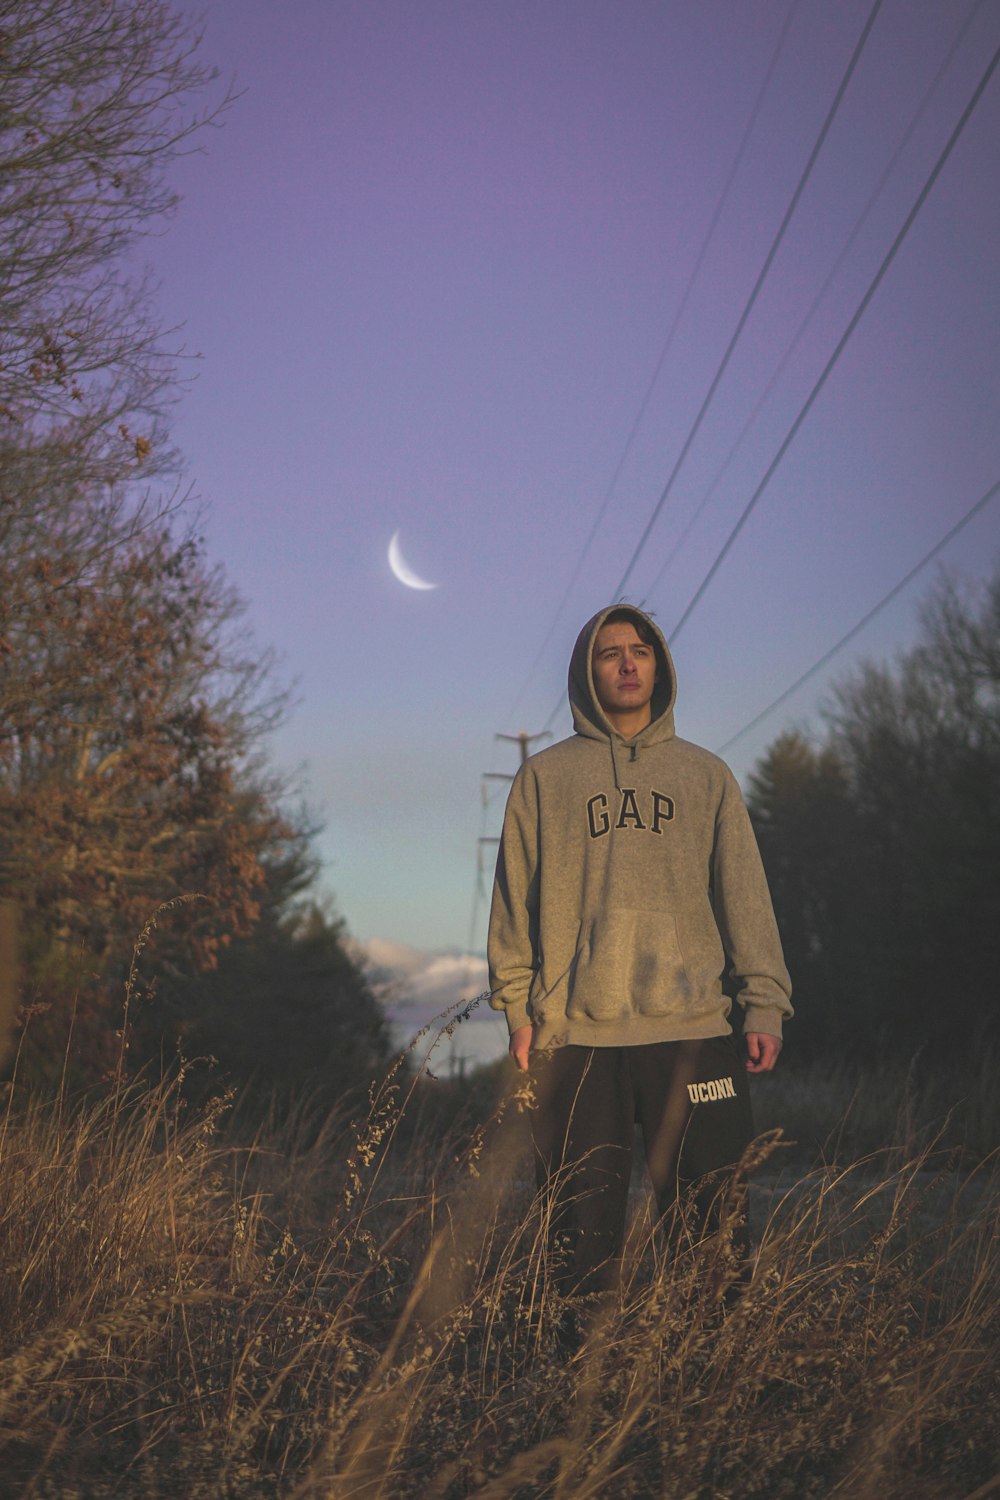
x,y
332,1311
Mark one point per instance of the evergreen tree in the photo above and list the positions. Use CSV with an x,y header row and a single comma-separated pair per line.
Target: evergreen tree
x,y
882,846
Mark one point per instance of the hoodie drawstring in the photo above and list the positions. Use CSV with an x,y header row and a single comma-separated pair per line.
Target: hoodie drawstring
x,y
616,745
614,763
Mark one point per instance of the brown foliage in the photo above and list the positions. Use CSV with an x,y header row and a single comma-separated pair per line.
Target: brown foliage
x,y
125,778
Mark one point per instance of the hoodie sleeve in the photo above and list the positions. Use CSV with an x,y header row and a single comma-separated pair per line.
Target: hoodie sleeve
x,y
745,918
512,947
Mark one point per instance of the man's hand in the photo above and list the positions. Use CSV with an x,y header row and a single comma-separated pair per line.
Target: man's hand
x,y
762,1051
520,1046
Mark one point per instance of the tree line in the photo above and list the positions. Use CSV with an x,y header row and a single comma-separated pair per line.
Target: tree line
x,y
134,704
881,840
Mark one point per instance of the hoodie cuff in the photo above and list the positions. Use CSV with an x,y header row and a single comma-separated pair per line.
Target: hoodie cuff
x,y
764,1019
517,1015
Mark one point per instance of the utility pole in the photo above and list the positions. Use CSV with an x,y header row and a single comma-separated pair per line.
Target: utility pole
x,y
522,739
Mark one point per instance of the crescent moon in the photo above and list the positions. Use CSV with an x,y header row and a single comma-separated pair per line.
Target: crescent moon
x,y
401,568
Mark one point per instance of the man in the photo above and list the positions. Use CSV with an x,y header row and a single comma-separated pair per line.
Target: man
x,y
629,903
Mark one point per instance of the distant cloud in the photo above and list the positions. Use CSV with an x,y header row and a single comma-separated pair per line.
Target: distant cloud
x,y
414,979
420,988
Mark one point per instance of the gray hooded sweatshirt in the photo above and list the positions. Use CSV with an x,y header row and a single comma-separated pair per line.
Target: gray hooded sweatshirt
x,y
630,901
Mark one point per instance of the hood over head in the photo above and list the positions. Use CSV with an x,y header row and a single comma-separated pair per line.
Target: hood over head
x,y
589,718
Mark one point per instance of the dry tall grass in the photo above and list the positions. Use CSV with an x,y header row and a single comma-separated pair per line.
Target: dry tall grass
x,y
336,1313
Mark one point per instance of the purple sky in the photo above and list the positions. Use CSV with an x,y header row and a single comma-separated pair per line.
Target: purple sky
x,y
430,262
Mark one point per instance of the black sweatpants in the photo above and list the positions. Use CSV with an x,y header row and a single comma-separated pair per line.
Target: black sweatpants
x,y
692,1101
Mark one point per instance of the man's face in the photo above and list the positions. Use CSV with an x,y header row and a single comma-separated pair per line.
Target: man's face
x,y
624,672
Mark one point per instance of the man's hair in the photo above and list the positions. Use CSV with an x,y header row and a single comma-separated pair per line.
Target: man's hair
x,y
623,615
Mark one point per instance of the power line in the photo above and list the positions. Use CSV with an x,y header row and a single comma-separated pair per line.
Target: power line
x,y
748,308
845,251
668,344
752,299
865,620
841,345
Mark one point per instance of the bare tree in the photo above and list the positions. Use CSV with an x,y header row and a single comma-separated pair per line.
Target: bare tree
x,y
97,97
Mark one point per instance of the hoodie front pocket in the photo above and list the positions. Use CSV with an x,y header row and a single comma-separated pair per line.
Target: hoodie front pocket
x,y
628,962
